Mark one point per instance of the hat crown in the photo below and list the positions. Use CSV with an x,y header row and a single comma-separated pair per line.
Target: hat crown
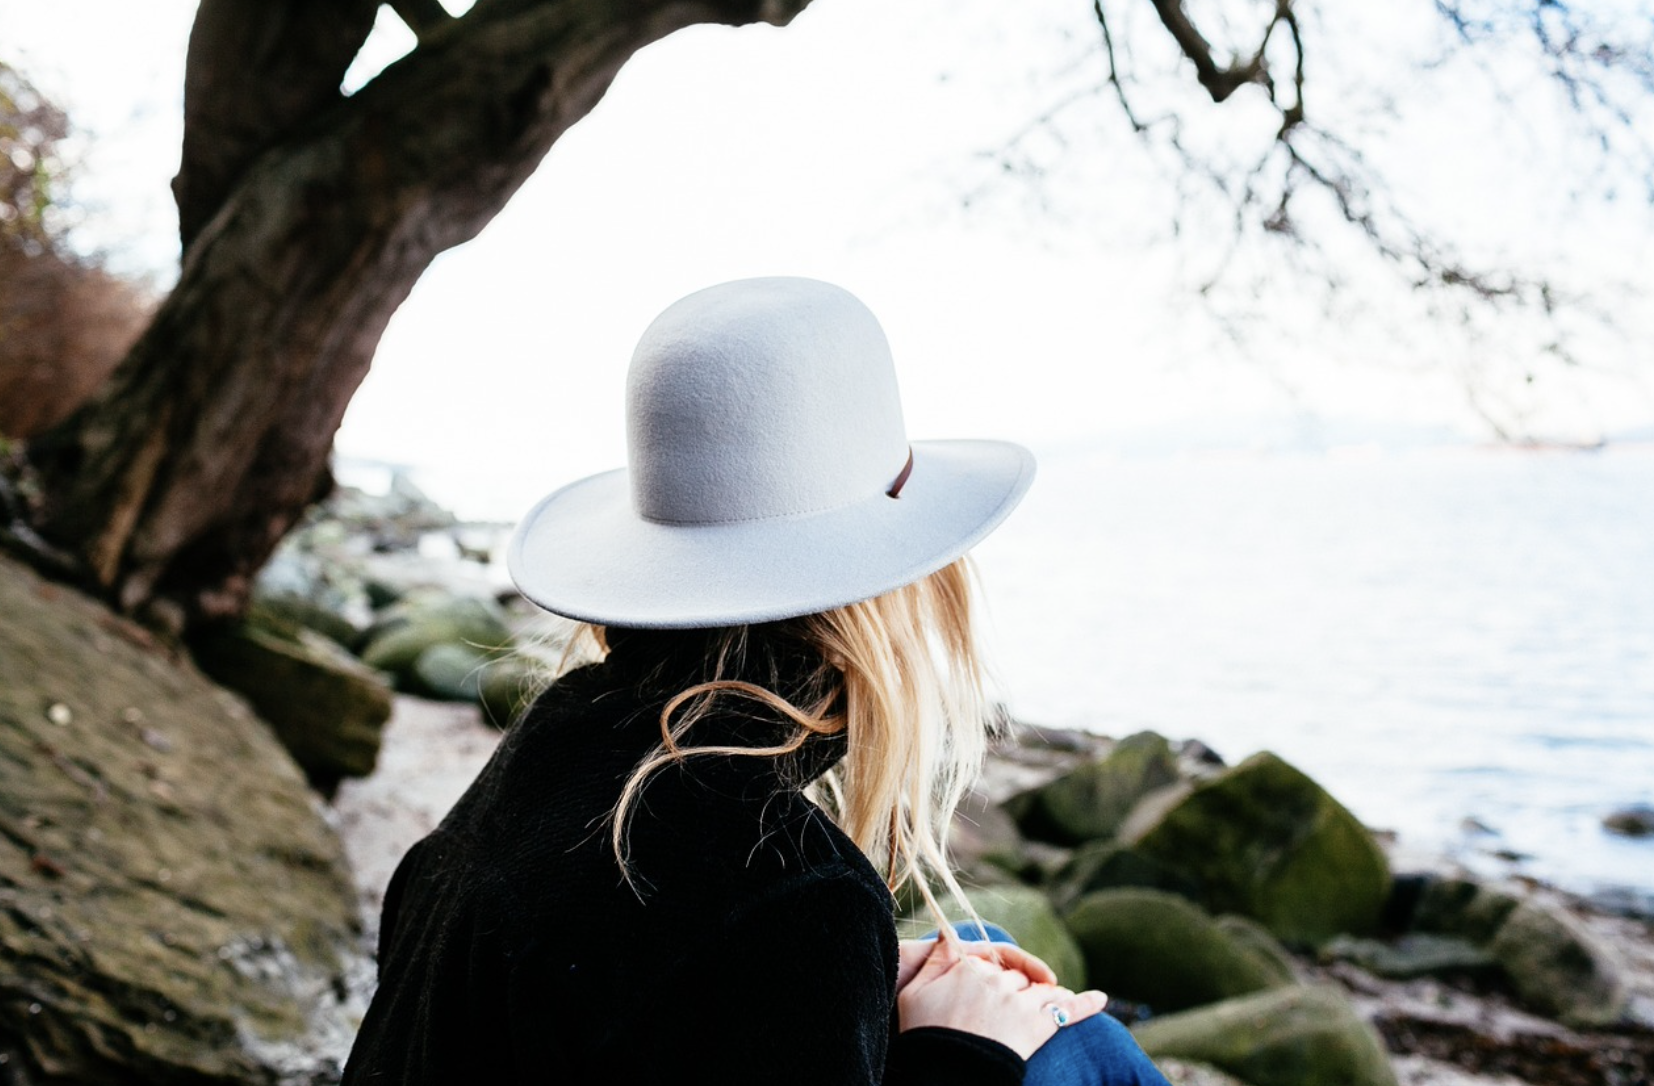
x,y
759,399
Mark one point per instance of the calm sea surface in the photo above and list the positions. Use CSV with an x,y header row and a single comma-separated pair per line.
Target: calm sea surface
x,y
1458,643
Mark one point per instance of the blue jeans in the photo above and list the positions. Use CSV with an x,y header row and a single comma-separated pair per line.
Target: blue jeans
x,y
1097,1051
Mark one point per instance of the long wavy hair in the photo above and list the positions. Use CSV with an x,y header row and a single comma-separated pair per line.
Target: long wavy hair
x,y
899,674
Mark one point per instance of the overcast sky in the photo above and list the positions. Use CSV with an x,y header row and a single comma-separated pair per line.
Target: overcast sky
x,y
844,147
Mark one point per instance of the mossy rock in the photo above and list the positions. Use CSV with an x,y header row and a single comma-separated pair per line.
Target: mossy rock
x,y
1415,954
1092,801
327,709
1260,941
449,671
1265,841
1462,907
1558,968
1025,913
1109,865
1159,949
285,613
427,618
173,906
1294,1036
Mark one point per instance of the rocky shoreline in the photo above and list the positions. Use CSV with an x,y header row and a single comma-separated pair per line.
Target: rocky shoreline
x,y
183,899
1460,1028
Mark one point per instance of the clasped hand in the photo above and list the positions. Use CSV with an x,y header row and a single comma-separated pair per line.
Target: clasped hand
x,y
994,990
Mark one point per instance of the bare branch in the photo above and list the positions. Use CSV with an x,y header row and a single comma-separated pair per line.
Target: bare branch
x,y
1220,81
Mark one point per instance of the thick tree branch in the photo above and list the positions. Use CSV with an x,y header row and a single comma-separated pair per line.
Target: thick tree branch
x,y
255,73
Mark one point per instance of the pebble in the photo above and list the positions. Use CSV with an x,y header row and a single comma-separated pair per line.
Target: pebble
x,y
1637,821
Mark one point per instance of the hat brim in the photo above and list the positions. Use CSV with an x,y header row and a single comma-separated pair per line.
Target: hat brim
x,y
585,553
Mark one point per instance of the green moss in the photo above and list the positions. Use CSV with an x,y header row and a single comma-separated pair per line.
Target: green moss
x,y
1092,801
1110,865
1157,948
1266,841
1558,969
327,709
423,619
1462,907
170,896
1294,1036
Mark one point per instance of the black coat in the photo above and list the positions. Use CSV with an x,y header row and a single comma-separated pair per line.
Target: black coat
x,y
757,946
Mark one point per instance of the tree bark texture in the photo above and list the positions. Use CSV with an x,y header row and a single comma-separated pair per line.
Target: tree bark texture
x,y
312,220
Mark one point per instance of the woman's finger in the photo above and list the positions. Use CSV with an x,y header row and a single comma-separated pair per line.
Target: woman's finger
x,y
943,956
1011,956
1082,1005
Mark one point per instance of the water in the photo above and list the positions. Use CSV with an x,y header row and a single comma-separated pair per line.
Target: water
x,y
1458,643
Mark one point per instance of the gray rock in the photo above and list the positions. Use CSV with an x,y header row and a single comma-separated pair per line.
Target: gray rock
x,y
449,671
173,907
1091,801
1159,949
984,831
1558,968
1634,821
1416,954
1294,1036
1265,841
1462,907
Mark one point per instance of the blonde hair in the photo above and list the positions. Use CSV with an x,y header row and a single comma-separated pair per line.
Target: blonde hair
x,y
900,675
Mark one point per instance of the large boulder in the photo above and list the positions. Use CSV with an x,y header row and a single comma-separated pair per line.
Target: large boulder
x,y
1160,950
1025,913
1091,801
327,709
1264,840
1296,1036
1558,968
173,905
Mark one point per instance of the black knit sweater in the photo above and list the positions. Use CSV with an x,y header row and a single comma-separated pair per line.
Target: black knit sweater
x,y
757,945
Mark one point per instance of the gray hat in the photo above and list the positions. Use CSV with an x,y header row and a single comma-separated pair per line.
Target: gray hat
x,y
770,474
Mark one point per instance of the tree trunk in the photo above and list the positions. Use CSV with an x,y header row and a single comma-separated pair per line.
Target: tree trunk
x,y
173,487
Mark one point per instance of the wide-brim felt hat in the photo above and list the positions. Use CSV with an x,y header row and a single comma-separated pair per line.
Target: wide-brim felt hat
x,y
769,474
